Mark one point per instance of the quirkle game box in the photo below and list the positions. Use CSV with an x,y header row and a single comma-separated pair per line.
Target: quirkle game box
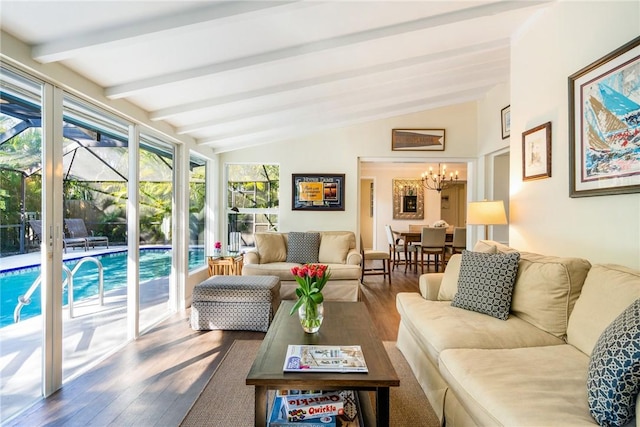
x,y
278,417
305,407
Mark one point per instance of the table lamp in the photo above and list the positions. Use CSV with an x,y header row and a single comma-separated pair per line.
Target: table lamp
x,y
486,212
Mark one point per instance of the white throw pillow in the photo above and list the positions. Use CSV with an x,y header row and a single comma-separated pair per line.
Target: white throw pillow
x,y
334,248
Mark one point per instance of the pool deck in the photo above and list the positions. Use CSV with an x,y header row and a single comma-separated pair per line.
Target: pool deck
x,y
92,334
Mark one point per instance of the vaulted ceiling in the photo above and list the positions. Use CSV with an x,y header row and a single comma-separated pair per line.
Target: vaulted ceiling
x,y
233,74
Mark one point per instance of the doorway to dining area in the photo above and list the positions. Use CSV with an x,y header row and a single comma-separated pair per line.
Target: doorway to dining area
x,y
377,199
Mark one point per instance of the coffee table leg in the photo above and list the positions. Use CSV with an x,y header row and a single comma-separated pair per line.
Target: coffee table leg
x,y
382,406
260,417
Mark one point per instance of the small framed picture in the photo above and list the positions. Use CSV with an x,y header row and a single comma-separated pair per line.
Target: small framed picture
x,y
505,119
536,152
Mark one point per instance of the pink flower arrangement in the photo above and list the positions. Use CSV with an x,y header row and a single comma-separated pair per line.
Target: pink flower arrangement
x,y
218,245
311,279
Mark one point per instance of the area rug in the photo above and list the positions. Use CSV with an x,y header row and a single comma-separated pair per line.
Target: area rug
x,y
227,401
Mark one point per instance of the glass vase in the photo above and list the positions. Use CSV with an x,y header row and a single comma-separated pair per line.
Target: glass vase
x,y
311,316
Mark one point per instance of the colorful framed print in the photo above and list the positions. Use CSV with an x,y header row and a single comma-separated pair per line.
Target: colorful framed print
x,y
604,125
417,140
317,192
536,152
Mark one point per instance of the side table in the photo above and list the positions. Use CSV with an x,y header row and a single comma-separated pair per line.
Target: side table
x,y
225,264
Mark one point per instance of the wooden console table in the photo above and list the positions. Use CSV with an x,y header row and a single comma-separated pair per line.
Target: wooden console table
x,y
226,264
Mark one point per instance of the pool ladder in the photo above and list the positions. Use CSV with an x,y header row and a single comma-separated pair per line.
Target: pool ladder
x,y
26,298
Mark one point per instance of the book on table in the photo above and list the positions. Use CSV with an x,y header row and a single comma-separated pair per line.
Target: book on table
x,y
324,358
349,416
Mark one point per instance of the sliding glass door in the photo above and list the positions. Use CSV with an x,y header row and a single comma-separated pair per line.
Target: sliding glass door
x,y
21,237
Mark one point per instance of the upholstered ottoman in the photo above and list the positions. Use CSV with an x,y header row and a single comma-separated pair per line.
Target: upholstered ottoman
x,y
235,303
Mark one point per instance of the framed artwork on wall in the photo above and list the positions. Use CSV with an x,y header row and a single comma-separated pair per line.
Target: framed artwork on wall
x,y
317,192
536,152
408,199
417,140
604,125
505,121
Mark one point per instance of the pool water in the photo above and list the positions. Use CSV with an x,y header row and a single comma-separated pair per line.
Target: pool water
x,y
154,264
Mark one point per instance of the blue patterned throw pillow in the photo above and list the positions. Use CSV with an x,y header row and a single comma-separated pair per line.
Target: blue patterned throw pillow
x,y
613,381
486,283
303,248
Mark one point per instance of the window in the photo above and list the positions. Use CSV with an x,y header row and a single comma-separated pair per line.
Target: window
x,y
252,199
197,212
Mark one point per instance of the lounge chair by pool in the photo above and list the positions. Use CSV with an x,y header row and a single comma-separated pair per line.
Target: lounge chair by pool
x,y
67,242
77,229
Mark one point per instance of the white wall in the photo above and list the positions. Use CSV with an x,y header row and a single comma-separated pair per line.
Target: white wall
x,y
563,40
339,151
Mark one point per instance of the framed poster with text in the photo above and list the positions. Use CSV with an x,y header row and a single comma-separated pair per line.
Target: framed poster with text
x,y
317,192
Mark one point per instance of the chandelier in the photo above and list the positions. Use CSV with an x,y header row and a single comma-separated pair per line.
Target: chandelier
x,y
438,181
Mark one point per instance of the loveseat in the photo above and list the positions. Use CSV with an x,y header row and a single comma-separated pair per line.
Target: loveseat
x,y
276,253
548,364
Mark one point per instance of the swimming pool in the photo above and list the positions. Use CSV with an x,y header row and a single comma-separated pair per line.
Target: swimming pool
x,y
154,263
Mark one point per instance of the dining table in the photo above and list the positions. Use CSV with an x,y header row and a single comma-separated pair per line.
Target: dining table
x,y
411,236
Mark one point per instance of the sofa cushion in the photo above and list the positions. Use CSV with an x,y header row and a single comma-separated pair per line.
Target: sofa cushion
x,y
334,248
280,269
271,247
303,247
607,292
283,271
546,290
535,386
449,284
438,326
492,247
486,282
613,380
485,246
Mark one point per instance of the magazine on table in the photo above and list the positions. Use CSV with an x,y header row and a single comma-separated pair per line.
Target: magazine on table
x,y
324,358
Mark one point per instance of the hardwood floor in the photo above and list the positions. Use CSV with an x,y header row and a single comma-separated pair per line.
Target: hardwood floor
x,y
154,380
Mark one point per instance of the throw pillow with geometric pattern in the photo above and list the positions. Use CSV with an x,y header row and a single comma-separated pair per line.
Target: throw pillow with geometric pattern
x,y
303,248
485,283
613,380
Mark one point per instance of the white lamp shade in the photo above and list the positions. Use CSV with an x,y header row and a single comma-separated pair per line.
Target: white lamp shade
x,y
487,212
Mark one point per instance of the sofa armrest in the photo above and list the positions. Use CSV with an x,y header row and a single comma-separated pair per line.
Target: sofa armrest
x,y
251,257
430,285
354,257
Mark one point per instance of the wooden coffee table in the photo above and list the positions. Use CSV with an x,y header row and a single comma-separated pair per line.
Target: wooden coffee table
x,y
345,323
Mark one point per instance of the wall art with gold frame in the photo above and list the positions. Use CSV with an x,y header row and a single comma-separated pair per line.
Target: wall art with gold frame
x,y
408,199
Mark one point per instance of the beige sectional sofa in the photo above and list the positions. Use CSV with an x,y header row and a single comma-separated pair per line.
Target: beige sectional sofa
x,y
275,256
530,370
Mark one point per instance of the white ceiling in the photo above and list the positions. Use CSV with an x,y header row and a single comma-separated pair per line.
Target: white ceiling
x,y
234,74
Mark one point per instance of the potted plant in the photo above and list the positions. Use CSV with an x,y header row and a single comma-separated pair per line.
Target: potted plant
x,y
311,279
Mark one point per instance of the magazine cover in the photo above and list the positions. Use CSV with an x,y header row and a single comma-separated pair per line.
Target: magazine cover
x,y
324,358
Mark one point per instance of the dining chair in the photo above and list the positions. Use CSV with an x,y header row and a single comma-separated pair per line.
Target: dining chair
x,y
373,255
432,242
459,242
397,249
